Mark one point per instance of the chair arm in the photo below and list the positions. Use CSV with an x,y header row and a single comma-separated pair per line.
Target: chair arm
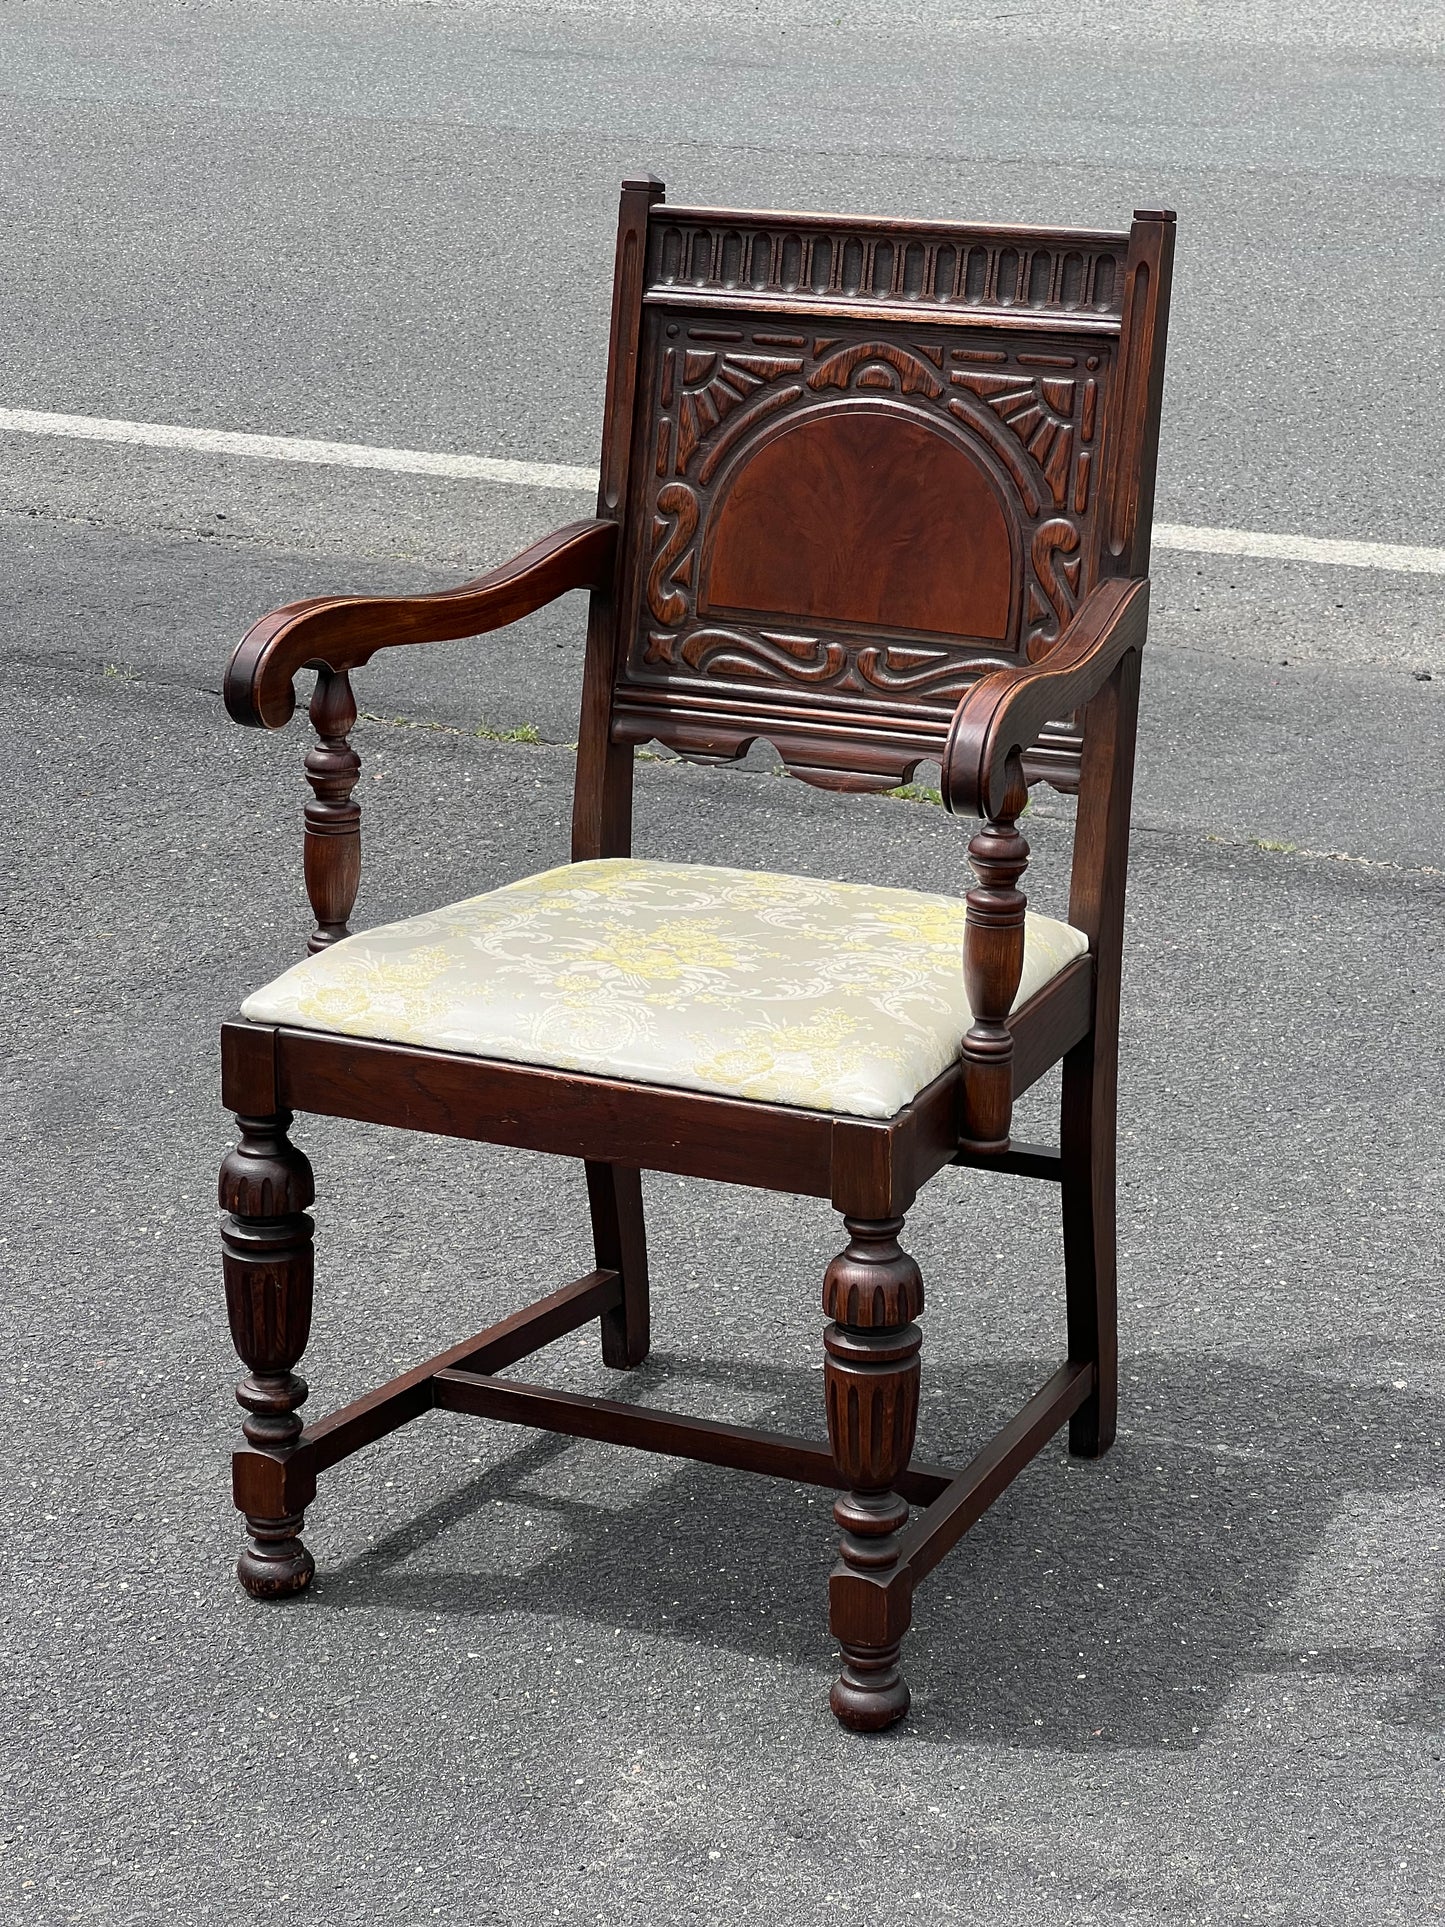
x,y
983,775
1004,712
342,632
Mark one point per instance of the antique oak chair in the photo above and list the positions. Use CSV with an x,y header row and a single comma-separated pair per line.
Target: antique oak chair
x,y
877,493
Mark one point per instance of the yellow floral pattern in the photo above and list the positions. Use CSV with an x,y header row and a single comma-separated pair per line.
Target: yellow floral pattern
x,y
831,996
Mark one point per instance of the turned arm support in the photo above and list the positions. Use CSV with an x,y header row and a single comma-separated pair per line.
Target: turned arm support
x,y
1000,718
336,634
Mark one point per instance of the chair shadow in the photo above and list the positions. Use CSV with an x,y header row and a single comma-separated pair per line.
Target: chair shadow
x,y
1098,1604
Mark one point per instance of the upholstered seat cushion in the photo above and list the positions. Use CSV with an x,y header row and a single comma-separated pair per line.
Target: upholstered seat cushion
x,y
831,996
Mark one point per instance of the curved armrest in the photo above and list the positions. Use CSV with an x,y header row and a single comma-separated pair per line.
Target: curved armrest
x,y
1004,712
342,632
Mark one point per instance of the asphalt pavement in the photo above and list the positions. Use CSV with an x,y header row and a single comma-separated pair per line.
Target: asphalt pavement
x,y
1201,1682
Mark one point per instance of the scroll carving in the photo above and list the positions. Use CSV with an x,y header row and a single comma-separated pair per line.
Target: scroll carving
x,y
766,657
907,671
666,601
1024,411
1055,593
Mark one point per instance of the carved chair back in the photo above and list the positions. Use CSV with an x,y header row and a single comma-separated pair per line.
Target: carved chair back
x,y
858,464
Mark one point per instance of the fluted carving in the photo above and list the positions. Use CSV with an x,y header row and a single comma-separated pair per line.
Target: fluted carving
x,y
872,1393
873,1291
333,817
872,1282
265,1186
993,962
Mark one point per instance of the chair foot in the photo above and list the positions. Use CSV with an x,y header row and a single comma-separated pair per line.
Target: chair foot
x,y
1088,1439
870,1693
275,1564
614,1197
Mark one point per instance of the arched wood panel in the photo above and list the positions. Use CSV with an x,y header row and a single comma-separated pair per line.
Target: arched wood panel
x,y
820,523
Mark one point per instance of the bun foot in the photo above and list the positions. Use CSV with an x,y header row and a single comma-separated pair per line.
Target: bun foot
x,y
870,1693
275,1564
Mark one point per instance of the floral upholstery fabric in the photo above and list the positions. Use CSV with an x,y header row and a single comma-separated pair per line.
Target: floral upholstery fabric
x,y
831,996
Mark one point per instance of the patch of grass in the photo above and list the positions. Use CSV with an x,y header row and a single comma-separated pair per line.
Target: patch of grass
x,y
522,733
917,793
1280,849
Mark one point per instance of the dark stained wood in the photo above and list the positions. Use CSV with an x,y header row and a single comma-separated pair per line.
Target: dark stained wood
x,y
265,1187
402,1399
768,442
1132,434
769,345
674,1434
993,964
1051,1022
879,1170
769,309
1006,710
872,1292
619,1235
877,492
822,524
595,1118
1013,279
858,1162
1018,1161
602,795
343,632
974,1489
277,1484
248,1068
867,1183
814,742
333,818
1090,1087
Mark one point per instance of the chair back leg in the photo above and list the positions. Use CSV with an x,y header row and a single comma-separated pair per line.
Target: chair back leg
x,y
1090,1266
1088,1125
614,1196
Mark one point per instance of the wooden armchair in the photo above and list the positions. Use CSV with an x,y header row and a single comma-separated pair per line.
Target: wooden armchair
x,y
879,493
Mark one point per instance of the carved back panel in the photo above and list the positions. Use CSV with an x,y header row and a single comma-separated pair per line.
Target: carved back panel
x,y
867,460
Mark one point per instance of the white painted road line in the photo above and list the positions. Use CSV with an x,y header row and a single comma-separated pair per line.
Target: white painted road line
x,y
287,448
1392,557
1396,557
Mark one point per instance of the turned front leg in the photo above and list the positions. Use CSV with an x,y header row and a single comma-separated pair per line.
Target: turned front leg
x,y
872,1291
266,1185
